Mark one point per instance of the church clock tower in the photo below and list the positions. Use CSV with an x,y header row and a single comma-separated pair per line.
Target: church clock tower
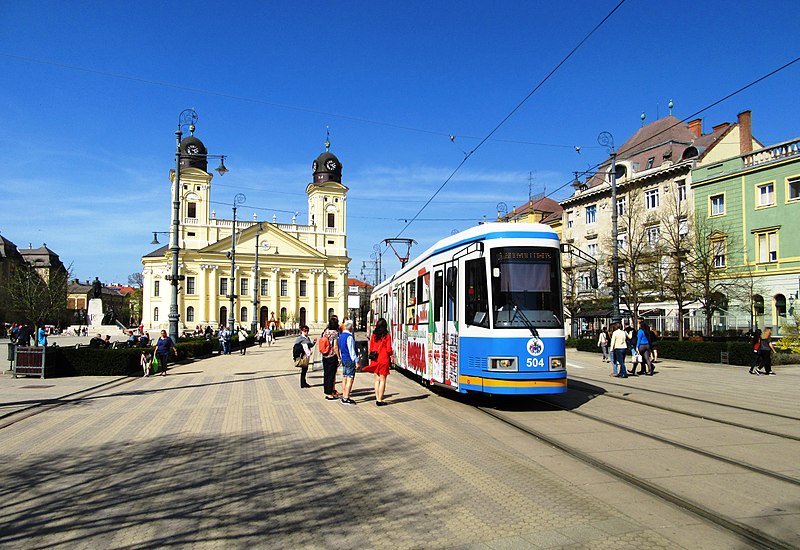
x,y
327,204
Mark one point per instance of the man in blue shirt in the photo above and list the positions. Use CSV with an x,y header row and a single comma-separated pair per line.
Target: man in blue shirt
x,y
347,346
41,336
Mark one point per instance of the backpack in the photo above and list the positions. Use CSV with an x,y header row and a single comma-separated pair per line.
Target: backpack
x,y
325,346
297,350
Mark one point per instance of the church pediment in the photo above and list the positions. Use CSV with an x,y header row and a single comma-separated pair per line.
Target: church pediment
x,y
286,245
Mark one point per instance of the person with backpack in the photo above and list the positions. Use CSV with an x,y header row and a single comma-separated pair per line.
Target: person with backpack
x,y
329,349
643,339
347,347
301,353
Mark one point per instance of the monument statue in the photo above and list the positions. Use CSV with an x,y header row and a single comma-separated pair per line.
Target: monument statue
x,y
97,288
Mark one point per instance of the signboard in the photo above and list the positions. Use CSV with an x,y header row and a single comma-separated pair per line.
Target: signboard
x,y
29,361
353,302
353,290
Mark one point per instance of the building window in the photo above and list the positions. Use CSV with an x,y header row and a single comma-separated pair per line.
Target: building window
x,y
591,214
156,288
621,204
680,187
284,287
244,286
585,281
653,234
155,314
189,285
622,240
717,205
190,314
718,250
794,188
621,277
651,198
592,249
331,289
650,163
264,287
191,210
283,315
571,221
243,314
767,244
331,220
683,227
223,286
303,287
766,194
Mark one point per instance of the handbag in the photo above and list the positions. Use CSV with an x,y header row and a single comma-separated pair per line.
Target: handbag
x,y
154,364
373,356
301,362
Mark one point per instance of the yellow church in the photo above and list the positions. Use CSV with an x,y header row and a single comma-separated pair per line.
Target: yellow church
x,y
292,274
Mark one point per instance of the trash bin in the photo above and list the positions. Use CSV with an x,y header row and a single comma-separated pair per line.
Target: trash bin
x,y
362,348
11,351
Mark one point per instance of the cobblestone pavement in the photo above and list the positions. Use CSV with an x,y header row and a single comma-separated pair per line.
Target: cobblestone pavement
x,y
229,452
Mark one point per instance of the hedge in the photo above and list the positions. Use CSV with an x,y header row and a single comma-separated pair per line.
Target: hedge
x,y
69,361
739,352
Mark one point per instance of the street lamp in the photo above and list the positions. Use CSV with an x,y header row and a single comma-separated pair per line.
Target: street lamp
x,y
239,198
187,118
607,140
254,320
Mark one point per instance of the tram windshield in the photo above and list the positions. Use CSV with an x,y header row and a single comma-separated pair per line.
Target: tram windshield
x,y
526,287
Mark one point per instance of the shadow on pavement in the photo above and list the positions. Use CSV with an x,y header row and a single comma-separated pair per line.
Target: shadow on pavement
x,y
232,489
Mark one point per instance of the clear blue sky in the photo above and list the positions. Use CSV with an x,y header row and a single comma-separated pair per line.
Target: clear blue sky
x,y
92,91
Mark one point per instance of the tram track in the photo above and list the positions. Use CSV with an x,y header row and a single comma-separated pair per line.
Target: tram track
x,y
579,386
757,537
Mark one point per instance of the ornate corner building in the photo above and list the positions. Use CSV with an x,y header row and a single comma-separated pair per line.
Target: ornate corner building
x,y
301,276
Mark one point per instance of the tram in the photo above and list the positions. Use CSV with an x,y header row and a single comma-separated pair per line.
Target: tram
x,y
480,312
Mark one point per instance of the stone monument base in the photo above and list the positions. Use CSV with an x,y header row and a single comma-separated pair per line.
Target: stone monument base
x,y
95,313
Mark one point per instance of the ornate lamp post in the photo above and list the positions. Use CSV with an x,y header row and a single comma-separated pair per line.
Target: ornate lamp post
x,y
254,322
607,140
239,198
187,118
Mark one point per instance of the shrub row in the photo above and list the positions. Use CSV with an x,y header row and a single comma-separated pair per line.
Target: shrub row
x,y
69,361
739,352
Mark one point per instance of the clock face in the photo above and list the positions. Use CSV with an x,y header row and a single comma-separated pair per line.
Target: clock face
x,y
331,164
314,166
193,149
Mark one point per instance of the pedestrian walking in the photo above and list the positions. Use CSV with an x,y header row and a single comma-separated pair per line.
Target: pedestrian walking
x,y
643,338
380,357
755,363
162,348
602,343
41,337
146,360
347,348
302,356
618,346
242,341
329,349
765,350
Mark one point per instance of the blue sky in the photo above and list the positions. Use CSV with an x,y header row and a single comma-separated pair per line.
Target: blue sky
x,y
92,91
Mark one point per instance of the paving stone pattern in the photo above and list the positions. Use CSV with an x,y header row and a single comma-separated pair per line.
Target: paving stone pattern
x,y
229,452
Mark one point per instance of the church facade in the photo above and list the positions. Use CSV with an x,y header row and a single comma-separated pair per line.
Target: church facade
x,y
292,274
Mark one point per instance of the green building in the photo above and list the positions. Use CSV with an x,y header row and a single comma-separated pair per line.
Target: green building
x,y
749,207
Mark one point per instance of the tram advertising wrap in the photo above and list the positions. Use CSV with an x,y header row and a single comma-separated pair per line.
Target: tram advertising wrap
x,y
481,311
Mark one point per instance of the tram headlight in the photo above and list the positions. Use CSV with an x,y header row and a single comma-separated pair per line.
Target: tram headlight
x,y
507,364
557,363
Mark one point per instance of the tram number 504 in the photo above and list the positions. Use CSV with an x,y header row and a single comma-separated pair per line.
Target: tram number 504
x,y
534,362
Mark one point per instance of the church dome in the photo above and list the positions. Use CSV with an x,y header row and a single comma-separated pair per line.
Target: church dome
x,y
194,154
327,168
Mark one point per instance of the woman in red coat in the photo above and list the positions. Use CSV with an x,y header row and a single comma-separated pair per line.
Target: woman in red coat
x,y
380,348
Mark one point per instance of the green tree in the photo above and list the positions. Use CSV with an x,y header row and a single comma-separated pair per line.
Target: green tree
x,y
39,299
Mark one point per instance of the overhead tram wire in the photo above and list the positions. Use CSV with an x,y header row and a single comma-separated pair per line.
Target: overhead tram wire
x,y
509,115
687,118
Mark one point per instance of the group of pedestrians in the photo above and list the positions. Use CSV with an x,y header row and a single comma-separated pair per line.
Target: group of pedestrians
x,y
640,344
337,346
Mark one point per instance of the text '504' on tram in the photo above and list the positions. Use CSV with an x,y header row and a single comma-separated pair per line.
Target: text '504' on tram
x,y
481,311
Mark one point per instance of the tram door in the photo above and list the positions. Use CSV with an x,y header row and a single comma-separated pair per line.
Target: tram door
x,y
445,337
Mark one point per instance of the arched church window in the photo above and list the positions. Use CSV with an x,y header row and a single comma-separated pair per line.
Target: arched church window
x,y
191,210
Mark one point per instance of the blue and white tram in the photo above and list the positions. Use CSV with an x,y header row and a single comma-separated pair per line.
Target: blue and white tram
x,y
481,311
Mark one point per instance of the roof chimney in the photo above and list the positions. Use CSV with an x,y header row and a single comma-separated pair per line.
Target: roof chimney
x,y
745,133
696,126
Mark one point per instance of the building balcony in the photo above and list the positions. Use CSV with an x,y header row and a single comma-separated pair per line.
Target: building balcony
x,y
775,152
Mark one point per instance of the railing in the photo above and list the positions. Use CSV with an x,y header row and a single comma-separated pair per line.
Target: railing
x,y
291,227
775,152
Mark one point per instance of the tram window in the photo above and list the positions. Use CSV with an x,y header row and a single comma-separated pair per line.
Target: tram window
x,y
438,295
422,289
526,287
476,302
